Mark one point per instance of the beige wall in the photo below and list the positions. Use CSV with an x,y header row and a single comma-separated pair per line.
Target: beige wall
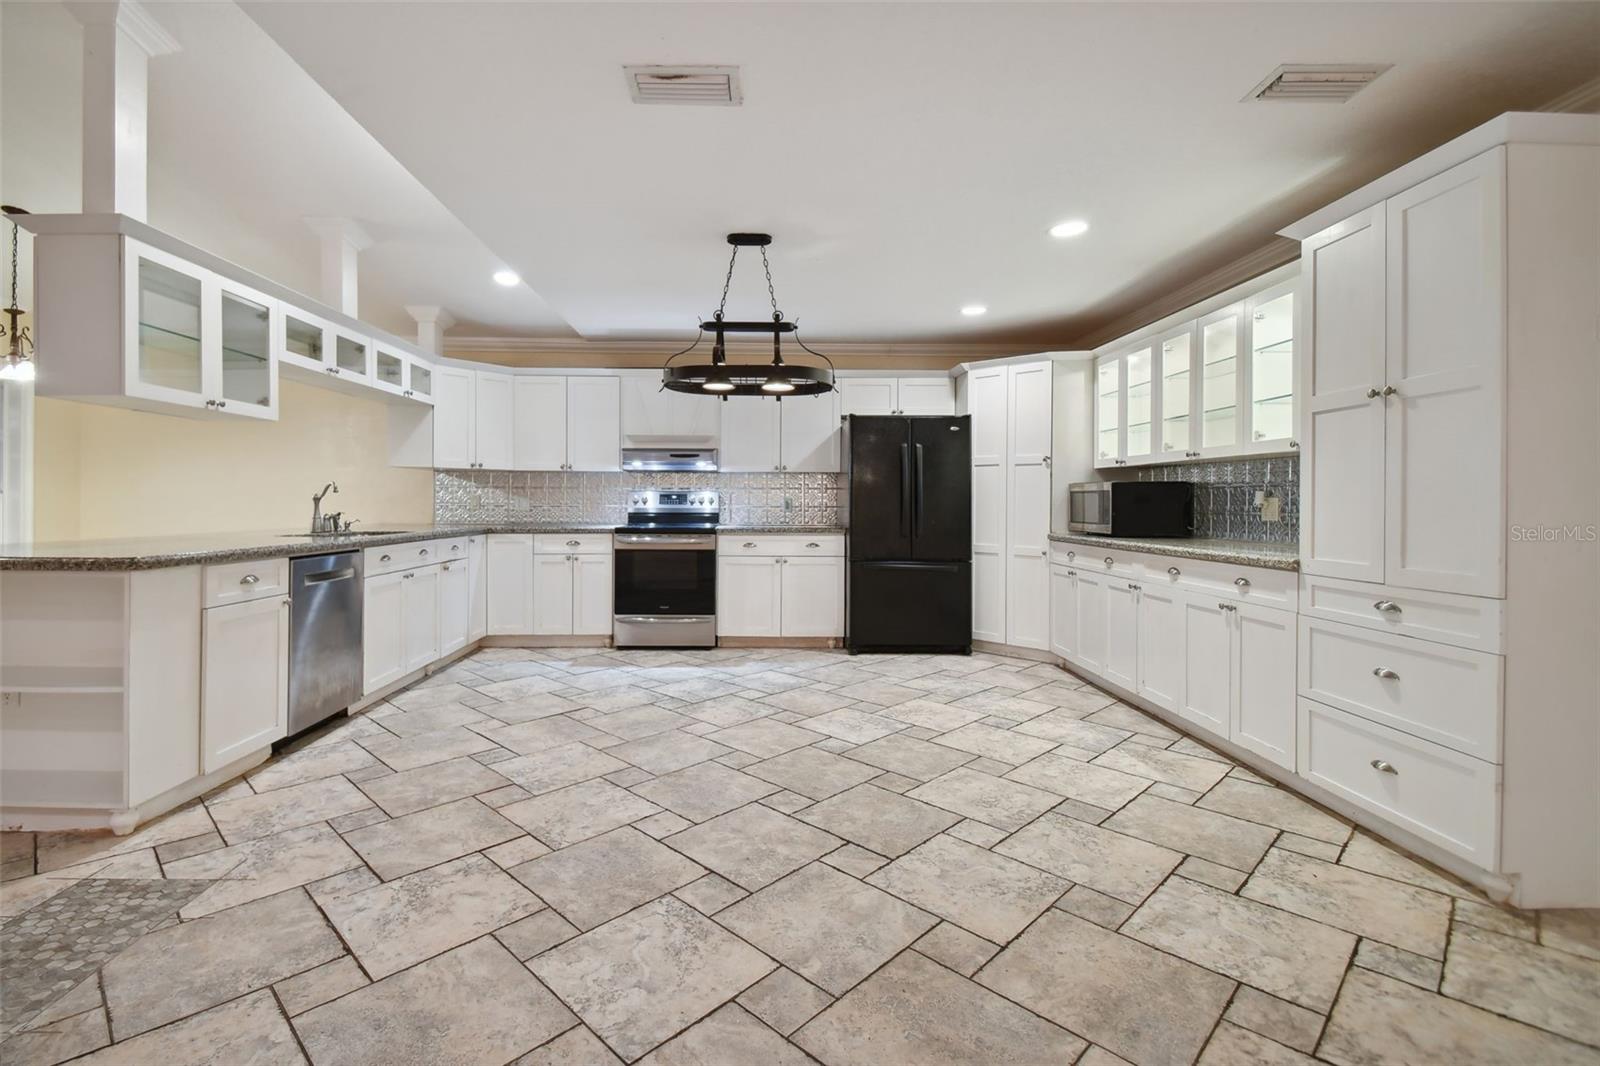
x,y
106,472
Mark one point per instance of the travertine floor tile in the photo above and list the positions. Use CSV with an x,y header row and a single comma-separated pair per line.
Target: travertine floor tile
x,y
250,1029
597,880
1405,966
980,891
315,987
881,821
311,764
1551,989
428,837
1097,907
431,785
1575,931
813,772
663,753
754,845
765,737
1142,760
854,725
989,742
408,753
575,1047
535,934
249,817
1207,834
910,757
784,1000
1231,1045
1120,866
929,714
1369,906
558,767
707,790
731,1034
985,798
1277,1019
578,812
1075,779
1275,807
263,867
954,947
710,893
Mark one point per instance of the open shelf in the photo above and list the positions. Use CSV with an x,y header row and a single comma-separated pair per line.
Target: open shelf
x,y
63,679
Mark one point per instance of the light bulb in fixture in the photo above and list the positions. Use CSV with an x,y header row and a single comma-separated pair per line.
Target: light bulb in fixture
x,y
718,385
508,278
974,310
21,371
1076,227
777,384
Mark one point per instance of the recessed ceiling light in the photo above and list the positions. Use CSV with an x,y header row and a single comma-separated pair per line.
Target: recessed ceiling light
x,y
974,310
507,278
1076,227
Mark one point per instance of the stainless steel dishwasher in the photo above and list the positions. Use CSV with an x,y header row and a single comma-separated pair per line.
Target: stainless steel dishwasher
x,y
324,637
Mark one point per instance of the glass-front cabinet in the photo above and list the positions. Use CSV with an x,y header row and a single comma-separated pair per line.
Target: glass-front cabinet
x,y
1211,387
419,381
305,342
195,339
388,370
352,355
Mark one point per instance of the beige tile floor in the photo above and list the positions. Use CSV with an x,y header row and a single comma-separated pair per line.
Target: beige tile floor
x,y
746,857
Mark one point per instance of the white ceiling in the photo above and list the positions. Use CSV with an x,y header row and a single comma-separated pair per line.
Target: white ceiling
x,y
907,156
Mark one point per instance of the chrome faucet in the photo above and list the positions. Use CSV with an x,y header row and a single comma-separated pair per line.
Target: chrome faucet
x,y
318,523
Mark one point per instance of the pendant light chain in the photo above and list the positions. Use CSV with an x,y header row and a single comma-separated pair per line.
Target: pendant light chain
x,y
728,281
777,316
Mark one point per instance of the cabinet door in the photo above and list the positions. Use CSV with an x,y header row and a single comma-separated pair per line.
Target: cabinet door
x,y
1160,645
245,686
1122,634
925,396
1445,513
594,424
750,439
1108,411
455,605
1206,692
1063,612
420,606
1175,393
989,552
246,373
419,380
493,404
809,432
352,356
1028,436
1091,621
1221,425
303,341
1341,444
653,416
986,403
388,370
167,317
1264,695
749,597
539,423
591,594
552,594
1271,405
383,654
1139,405
509,608
453,433
867,396
477,570
812,597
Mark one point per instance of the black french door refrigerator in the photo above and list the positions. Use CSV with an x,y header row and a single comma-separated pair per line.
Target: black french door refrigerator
x,y
909,585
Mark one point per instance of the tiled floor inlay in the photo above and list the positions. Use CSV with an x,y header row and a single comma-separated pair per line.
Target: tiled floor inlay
x,y
767,855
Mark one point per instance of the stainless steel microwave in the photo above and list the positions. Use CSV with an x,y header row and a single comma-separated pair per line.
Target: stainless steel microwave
x,y
1131,508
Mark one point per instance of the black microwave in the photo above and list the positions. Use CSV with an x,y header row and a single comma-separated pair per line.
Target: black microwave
x,y
1131,508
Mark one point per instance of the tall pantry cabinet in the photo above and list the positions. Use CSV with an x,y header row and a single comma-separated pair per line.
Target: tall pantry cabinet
x,y
1450,603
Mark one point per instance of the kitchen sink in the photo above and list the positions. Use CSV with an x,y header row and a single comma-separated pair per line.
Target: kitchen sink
x,y
351,533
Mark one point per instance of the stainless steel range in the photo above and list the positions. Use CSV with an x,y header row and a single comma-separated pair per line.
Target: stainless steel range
x,y
665,592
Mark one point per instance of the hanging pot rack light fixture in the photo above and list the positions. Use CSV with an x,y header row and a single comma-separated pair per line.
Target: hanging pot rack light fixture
x,y
17,363
720,377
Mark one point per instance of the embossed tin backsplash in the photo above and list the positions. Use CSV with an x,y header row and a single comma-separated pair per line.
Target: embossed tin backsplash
x,y
1224,496
601,498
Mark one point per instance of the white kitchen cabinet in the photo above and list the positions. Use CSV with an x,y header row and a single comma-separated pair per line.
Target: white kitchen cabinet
x,y
925,396
655,417
1139,404
750,441
1028,439
383,631
509,567
478,581
749,596
572,585
1092,601
1122,633
419,380
1159,644
388,370
1222,347
454,436
1271,371
492,419
552,595
245,680
1064,612
986,404
419,603
869,396
812,595
455,605
808,433
1108,406
1206,694
929,395
1175,400
592,577
566,423
1263,708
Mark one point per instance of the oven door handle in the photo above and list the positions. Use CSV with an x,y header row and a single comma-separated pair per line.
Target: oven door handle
x,y
665,543
663,620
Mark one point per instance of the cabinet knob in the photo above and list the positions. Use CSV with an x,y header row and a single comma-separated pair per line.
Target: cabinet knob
x,y
1242,582
1046,460
1044,551
222,403
444,566
423,551
383,558
1387,607
1384,767
573,543
1373,394
1108,561
409,575
1390,390
1072,555
749,544
813,544
287,601
249,579
1294,444
1227,607
1173,570
1385,673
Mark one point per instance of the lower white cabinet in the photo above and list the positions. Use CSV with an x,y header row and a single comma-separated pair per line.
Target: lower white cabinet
x,y
508,607
419,606
552,594
812,597
1063,612
455,605
591,594
1264,676
749,596
478,582
1206,692
244,680
383,642
1122,634
1160,645
572,590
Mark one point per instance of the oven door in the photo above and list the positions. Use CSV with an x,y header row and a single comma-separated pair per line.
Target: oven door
x,y
1089,508
664,574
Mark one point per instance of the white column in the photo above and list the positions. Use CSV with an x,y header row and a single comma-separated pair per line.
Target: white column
x,y
118,41
343,240
432,321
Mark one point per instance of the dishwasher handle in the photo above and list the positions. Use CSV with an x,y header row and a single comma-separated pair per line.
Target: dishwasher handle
x,y
321,576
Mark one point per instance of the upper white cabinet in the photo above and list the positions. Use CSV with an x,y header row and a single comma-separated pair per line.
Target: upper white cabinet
x,y
1218,385
653,416
930,395
492,420
1405,366
566,423
799,433
454,407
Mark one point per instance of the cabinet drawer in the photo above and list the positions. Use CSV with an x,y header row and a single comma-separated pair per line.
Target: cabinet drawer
x,y
227,583
1465,621
392,557
1244,584
1096,559
1447,695
451,548
785,544
572,543
1441,795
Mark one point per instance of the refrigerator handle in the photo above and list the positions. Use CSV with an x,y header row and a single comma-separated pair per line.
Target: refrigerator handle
x,y
905,486
916,523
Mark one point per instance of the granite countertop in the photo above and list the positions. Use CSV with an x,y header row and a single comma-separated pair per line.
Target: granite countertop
x,y
1269,555
154,553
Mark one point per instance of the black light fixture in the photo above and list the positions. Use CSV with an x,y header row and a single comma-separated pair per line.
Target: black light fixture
x,y
719,377
17,362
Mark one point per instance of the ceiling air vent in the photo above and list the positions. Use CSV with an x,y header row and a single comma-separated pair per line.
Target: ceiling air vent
x,y
684,85
1331,83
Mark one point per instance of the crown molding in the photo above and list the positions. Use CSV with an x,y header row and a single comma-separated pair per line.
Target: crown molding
x,y
457,346
140,26
1583,99
1281,250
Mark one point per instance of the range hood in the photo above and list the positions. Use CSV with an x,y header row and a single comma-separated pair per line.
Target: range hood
x,y
699,460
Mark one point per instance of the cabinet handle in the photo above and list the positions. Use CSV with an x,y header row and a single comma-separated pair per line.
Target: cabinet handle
x,y
455,547
287,601
573,543
813,544
1373,394
384,558
444,566
1387,607
1071,556
1390,390
1384,767
1108,561
749,544
409,575
249,579
422,551
1173,570
1044,551
1294,444
1227,607
1242,582
1046,460
1132,586
1385,673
